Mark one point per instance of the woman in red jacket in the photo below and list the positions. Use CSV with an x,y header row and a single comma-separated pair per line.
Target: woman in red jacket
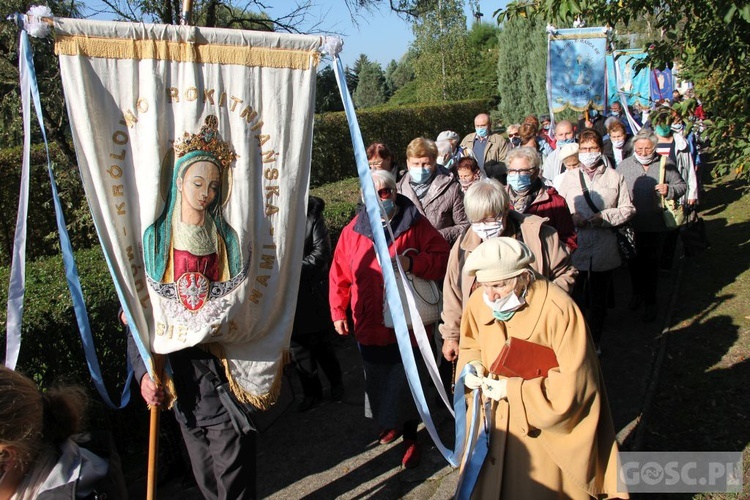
x,y
356,284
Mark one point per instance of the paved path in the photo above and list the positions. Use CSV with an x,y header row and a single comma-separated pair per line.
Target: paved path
x,y
331,451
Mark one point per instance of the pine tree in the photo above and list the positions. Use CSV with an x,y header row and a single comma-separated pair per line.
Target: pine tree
x,y
371,85
522,69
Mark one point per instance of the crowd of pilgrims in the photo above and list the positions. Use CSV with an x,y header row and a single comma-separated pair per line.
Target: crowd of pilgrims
x,y
537,206
520,229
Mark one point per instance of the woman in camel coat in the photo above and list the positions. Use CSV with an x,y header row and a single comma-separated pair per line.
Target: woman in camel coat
x,y
552,436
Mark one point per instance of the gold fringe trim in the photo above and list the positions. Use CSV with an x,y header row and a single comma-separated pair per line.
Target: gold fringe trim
x,y
580,36
263,401
162,50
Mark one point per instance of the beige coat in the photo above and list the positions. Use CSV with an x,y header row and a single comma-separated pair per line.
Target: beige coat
x,y
443,205
597,246
552,437
551,260
496,149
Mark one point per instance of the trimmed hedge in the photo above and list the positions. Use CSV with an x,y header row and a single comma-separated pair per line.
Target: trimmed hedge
x,y
42,239
333,155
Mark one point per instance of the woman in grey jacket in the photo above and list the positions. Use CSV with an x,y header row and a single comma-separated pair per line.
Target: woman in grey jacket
x,y
641,173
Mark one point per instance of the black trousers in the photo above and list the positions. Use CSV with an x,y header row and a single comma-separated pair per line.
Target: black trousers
x,y
224,462
644,268
592,293
308,351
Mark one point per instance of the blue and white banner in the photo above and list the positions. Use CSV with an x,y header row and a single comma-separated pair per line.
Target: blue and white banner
x,y
662,84
633,84
576,68
194,146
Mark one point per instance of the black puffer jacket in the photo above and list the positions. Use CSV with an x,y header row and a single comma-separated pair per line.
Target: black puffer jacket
x,y
312,313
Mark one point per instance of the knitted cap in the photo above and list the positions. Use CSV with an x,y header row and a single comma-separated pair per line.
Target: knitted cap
x,y
567,151
498,259
448,135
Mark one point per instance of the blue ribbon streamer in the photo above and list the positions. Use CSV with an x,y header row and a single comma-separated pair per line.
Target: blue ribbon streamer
x,y
394,300
71,270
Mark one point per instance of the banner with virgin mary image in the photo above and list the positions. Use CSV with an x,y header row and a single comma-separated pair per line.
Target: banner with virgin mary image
x,y
576,69
624,79
194,147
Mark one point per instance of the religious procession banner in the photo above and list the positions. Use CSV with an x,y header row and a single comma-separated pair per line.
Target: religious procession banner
x,y
662,84
194,146
633,83
576,69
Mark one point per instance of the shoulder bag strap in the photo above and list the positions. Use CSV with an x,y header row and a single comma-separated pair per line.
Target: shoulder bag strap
x,y
586,192
240,420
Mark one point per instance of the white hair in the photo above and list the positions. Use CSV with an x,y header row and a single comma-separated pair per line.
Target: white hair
x,y
486,198
383,178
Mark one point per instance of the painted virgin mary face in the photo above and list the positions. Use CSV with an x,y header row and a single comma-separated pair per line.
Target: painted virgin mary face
x,y
200,185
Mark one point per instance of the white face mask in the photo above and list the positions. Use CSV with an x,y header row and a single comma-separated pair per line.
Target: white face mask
x,y
589,159
618,144
644,160
507,304
487,230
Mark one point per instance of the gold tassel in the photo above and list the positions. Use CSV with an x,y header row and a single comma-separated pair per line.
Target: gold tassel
x,y
262,401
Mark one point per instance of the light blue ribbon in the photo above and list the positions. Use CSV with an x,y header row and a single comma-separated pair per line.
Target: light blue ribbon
x,y
394,300
29,86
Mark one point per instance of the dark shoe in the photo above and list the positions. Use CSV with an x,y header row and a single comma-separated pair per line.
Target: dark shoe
x,y
388,436
337,392
635,302
411,455
650,314
308,403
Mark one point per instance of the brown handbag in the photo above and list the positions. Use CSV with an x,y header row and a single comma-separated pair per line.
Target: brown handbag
x,y
521,358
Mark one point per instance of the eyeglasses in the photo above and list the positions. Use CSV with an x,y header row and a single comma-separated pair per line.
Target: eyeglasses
x,y
376,164
593,149
385,193
525,171
644,151
514,135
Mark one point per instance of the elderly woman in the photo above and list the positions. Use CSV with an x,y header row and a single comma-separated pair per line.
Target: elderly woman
x,y
40,455
489,212
642,177
599,200
436,195
529,194
356,284
569,157
552,434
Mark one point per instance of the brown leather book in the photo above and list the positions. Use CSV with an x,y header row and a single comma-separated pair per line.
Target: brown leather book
x,y
521,358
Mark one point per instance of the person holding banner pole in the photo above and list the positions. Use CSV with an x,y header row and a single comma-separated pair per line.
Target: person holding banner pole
x,y
357,285
551,431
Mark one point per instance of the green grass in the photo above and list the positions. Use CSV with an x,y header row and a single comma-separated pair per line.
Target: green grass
x,y
703,400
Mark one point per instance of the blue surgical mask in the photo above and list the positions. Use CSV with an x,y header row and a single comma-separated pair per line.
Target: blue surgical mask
x,y
481,131
677,127
593,113
388,205
616,114
562,142
419,175
519,183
